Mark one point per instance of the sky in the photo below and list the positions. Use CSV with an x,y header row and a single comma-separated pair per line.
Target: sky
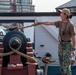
x,y
47,5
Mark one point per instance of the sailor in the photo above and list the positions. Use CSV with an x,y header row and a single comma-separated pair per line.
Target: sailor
x,y
66,39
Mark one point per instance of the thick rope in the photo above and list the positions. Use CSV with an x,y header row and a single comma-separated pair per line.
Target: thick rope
x,y
24,27
24,55
20,53
5,54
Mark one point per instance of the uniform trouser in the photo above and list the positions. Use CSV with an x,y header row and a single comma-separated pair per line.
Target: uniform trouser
x,y
64,53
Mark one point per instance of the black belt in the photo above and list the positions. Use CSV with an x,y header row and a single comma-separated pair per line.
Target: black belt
x,y
65,41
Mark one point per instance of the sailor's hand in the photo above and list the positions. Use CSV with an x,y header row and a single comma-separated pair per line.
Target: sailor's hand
x,y
73,57
37,23
73,53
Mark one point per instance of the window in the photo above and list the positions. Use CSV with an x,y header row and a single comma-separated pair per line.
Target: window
x,y
74,9
71,9
4,2
5,6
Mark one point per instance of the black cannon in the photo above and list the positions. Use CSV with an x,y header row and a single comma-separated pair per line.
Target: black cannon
x,y
15,54
14,40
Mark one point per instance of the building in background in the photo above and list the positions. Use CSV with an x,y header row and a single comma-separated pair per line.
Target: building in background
x,y
16,6
71,5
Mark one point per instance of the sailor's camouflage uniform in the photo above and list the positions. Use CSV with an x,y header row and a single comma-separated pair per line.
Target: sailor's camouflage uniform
x,y
65,57
65,46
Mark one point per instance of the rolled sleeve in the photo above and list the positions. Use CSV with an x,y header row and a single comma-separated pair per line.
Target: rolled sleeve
x,y
57,24
72,32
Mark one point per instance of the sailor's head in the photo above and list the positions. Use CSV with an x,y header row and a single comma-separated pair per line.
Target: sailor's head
x,y
65,13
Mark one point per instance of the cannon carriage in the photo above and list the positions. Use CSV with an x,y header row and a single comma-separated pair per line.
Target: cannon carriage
x,y
16,55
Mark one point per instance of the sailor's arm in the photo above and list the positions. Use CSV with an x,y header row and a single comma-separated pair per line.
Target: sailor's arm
x,y
72,33
45,23
73,41
39,23
73,45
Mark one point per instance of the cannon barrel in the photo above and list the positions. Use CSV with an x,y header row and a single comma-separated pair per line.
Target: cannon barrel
x,y
14,40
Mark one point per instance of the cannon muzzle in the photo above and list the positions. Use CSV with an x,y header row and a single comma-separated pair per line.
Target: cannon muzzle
x,y
14,40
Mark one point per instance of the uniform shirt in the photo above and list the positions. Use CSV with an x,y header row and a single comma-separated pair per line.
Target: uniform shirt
x,y
65,30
